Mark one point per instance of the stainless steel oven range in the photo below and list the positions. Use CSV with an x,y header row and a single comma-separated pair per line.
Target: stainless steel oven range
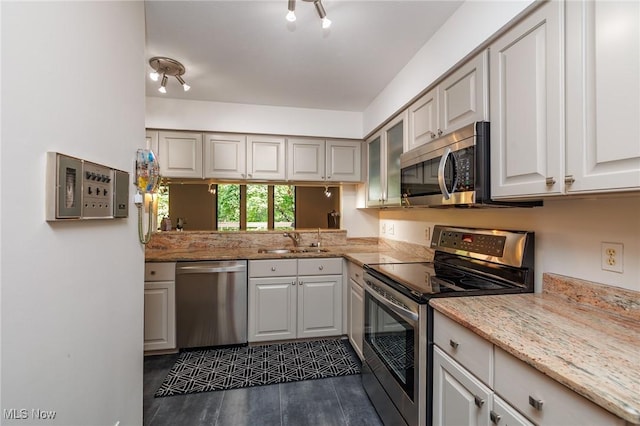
x,y
398,328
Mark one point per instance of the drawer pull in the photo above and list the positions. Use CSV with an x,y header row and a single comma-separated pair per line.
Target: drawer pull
x,y
479,401
293,283
300,283
454,344
495,417
321,267
535,403
273,269
153,272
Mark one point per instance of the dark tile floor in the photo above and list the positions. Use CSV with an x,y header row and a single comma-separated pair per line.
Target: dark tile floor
x,y
323,402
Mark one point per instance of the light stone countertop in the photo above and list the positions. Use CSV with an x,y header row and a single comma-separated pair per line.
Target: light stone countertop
x,y
593,350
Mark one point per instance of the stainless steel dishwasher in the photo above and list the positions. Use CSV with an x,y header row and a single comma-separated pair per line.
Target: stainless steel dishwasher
x,y
211,303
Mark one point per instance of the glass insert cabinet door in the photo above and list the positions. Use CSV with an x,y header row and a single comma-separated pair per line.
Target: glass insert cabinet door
x,y
384,150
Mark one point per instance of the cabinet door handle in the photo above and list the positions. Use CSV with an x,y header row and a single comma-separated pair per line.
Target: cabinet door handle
x,y
495,417
478,401
300,283
293,283
242,175
568,180
550,181
439,132
535,403
430,133
321,267
328,177
454,344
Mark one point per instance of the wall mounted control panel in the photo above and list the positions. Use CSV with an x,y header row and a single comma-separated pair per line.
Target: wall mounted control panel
x,y
79,189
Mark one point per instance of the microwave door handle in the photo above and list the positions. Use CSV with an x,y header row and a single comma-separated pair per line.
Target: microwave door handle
x,y
443,186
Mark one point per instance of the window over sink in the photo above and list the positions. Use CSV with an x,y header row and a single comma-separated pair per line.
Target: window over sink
x,y
251,207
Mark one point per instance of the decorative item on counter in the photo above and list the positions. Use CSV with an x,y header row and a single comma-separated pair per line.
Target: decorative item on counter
x,y
333,219
180,224
165,225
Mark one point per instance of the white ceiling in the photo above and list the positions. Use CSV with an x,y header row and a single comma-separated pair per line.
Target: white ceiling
x,y
246,52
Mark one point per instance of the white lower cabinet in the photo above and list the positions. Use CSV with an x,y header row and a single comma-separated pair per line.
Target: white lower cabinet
x,y
543,400
294,298
513,394
159,306
355,326
458,397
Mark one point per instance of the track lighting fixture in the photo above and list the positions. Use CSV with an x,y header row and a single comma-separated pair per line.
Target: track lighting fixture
x,y
212,189
291,15
167,67
327,193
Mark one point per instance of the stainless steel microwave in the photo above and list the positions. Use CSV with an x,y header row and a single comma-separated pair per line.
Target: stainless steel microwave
x,y
453,170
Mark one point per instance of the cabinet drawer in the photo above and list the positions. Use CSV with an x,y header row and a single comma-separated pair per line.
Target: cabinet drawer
x,y
542,399
273,268
159,271
356,273
463,345
321,266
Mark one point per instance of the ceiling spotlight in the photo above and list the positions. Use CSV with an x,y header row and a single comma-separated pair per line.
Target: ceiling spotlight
x,y
212,189
327,193
185,86
163,85
326,23
291,15
167,67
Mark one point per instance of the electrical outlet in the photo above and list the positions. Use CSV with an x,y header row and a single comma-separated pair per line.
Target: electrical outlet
x,y
390,229
427,233
612,255
383,228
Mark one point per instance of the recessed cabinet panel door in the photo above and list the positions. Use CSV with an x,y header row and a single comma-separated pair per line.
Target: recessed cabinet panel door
x,y
344,159
458,397
319,306
225,156
465,95
272,308
159,315
306,159
423,120
265,158
180,154
374,181
603,96
527,141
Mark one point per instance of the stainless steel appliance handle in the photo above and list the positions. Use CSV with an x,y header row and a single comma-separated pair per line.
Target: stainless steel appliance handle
x,y
441,166
404,313
208,269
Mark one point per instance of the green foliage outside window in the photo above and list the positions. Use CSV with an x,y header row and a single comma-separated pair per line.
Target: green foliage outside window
x,y
228,207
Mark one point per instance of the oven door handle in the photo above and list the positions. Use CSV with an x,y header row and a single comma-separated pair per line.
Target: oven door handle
x,y
443,162
406,314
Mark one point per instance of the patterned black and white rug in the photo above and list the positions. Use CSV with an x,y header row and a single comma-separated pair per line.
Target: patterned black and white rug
x,y
239,367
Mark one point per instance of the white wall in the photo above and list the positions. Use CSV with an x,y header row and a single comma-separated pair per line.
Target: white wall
x,y
569,233
72,293
358,222
165,113
472,24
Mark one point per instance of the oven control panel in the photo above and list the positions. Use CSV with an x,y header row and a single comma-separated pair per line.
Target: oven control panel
x,y
491,245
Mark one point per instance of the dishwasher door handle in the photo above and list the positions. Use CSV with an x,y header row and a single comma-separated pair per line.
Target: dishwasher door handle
x,y
208,269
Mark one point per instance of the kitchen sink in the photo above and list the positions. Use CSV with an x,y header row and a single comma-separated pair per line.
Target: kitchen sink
x,y
292,250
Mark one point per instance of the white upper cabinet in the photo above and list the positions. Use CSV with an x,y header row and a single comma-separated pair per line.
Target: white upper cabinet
x,y
603,96
527,140
460,99
265,157
343,161
305,159
319,160
225,156
180,154
383,155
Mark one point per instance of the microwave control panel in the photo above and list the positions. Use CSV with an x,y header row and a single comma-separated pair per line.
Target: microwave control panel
x,y
80,189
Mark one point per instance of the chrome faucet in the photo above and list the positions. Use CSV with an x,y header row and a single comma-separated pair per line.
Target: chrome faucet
x,y
294,236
